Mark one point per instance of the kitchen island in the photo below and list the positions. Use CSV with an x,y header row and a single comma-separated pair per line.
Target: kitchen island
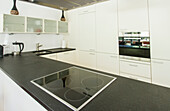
x,y
122,95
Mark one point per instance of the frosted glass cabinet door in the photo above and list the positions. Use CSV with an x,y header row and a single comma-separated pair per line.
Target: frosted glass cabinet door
x,y
50,26
34,24
14,23
62,27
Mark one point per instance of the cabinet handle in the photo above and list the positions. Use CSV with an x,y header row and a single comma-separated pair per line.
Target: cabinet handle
x,y
158,62
85,11
91,50
133,65
91,53
113,56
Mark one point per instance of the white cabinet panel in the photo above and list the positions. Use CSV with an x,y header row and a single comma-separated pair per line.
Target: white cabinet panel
x,y
50,56
86,30
159,28
133,15
107,27
1,91
68,57
16,99
108,63
138,69
161,72
87,59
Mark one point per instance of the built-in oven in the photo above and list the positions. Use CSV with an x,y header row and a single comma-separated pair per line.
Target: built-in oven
x,y
134,44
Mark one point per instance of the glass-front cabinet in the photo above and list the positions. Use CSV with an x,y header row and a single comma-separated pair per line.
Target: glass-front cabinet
x,y
34,25
13,24
50,26
23,24
62,27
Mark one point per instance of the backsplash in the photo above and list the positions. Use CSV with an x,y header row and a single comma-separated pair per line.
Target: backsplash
x,y
30,40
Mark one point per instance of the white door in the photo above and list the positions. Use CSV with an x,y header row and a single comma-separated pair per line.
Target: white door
x,y
133,15
160,28
87,59
106,27
108,63
161,72
86,30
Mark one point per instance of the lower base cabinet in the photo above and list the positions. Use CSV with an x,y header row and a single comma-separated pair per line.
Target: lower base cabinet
x,y
161,72
138,70
108,63
15,98
1,91
87,59
68,57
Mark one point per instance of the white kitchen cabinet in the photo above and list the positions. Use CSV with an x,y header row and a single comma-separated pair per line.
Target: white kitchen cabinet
x,y
50,26
133,15
107,27
160,72
1,91
34,25
62,27
86,31
108,63
68,57
139,70
87,59
159,28
16,99
50,56
12,23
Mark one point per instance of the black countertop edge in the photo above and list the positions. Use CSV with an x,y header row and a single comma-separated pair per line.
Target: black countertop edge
x,y
55,50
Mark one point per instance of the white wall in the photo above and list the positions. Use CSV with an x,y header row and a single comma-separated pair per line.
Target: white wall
x,y
32,10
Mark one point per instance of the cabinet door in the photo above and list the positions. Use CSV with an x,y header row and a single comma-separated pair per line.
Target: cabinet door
x,y
14,23
108,63
107,27
161,72
62,27
68,57
34,24
138,69
86,30
87,59
50,26
159,28
1,91
16,99
133,15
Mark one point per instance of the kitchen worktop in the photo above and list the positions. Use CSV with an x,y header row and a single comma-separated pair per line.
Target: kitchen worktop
x,y
122,95
54,50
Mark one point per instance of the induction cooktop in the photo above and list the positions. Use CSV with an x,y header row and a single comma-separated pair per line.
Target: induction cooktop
x,y
74,87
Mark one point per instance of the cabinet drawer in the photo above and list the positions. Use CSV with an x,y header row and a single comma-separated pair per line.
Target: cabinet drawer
x,y
148,80
138,69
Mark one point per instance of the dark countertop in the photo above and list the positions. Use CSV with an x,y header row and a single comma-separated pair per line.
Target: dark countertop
x,y
54,50
122,95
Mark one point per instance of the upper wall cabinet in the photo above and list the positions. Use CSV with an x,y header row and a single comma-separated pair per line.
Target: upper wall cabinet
x,y
21,24
160,28
50,26
12,23
34,25
107,27
133,15
62,27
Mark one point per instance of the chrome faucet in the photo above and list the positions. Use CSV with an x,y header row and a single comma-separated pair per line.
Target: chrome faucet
x,y
38,45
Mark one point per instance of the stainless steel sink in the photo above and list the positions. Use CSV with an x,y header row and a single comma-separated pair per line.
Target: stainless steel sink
x,y
42,52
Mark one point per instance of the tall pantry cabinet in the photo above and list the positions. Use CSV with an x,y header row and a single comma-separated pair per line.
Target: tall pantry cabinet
x,y
160,37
